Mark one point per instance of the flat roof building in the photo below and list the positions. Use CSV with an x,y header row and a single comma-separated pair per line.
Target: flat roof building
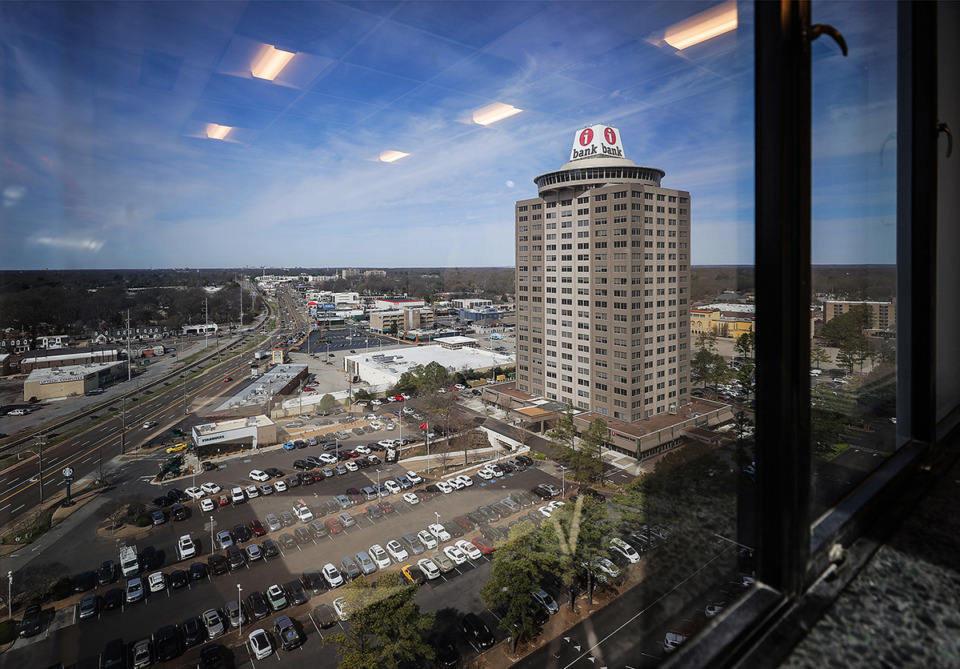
x,y
603,277
51,382
385,369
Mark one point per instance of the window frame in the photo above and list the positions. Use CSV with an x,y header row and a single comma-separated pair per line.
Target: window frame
x,y
804,563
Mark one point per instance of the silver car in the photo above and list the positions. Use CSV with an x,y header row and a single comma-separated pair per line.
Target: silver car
x,y
213,623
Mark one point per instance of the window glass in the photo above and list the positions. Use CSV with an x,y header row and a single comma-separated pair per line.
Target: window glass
x,y
348,171
854,151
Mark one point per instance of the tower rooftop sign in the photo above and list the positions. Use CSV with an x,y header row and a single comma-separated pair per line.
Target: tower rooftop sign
x,y
597,141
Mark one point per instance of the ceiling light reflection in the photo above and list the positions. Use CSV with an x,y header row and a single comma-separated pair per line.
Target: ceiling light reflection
x,y
493,113
703,26
270,62
391,156
215,131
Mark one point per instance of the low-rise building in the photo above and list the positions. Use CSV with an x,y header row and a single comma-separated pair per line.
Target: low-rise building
x,y
53,382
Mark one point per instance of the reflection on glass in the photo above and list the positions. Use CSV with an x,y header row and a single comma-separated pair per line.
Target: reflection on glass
x,y
853,363
589,444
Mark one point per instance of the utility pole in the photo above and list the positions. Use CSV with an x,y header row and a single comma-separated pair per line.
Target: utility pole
x,y
40,442
123,423
206,322
129,357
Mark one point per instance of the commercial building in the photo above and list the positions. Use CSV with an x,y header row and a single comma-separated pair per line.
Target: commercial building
x,y
383,370
68,357
883,315
251,431
401,320
603,284
48,383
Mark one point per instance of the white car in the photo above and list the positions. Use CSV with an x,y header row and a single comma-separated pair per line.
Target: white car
x,y
351,466
396,551
146,426
437,530
469,549
460,386
303,514
257,475
545,510
555,504
429,568
332,575
485,474
445,487
387,443
626,550
428,540
410,498
362,450
260,644
379,556
280,486
456,483
194,493
546,601
414,478
392,486
341,608
252,491
376,425
207,505
456,555
157,581
210,488
465,480
186,548
391,425
236,495
328,458
376,402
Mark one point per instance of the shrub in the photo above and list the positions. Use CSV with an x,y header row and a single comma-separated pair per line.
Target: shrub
x,y
143,520
8,631
61,589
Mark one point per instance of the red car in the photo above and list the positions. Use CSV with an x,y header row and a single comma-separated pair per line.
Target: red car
x,y
227,379
223,500
386,507
333,525
483,545
257,528
397,398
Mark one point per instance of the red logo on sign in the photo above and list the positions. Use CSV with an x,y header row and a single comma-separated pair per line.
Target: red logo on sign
x,y
586,137
610,135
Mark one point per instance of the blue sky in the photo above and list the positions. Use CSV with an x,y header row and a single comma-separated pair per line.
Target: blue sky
x,y
106,160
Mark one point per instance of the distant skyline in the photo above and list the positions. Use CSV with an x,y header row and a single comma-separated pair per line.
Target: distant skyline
x,y
107,160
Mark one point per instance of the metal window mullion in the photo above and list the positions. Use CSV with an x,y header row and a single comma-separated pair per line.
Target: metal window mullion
x,y
783,120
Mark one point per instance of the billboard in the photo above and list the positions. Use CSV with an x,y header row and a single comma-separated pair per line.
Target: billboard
x,y
328,306
595,142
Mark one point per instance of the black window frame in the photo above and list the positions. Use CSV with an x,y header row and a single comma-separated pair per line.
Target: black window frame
x,y
802,562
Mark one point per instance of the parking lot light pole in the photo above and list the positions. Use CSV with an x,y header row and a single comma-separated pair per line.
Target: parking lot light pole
x,y
437,514
211,535
563,481
239,612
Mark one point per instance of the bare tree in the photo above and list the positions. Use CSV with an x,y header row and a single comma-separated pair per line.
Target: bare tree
x,y
115,511
34,582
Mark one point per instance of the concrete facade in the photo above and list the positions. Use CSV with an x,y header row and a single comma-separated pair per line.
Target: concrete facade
x,y
603,279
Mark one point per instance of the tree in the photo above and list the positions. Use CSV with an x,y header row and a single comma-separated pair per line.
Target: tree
x,y
700,367
386,627
578,534
587,462
847,357
819,356
747,375
719,371
845,327
565,431
327,402
707,340
517,567
746,344
361,394
115,511
34,582
830,411
630,504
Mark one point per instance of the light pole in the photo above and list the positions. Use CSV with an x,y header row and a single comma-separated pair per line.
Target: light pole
x,y
123,423
563,481
239,611
437,514
10,594
40,440
211,535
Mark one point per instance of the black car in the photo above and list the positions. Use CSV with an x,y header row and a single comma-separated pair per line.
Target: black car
x,y
166,643
162,501
107,573
501,509
84,581
296,593
235,557
30,625
178,579
193,631
488,514
453,529
325,616
178,495
313,581
207,466
293,481
112,599
150,558
288,541
476,518
211,657
306,478
258,605
114,655
433,490
269,548
303,535
318,528
491,533
542,493
526,460
198,570
286,630
373,511
274,472
301,464
217,563
477,632
178,511
242,533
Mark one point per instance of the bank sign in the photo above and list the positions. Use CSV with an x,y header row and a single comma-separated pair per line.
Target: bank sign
x,y
595,142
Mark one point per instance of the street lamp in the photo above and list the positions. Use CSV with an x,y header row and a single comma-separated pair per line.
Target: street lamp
x,y
10,594
563,481
211,535
437,514
239,611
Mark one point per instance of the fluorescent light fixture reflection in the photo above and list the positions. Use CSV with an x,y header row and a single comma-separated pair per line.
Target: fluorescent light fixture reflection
x,y
270,62
493,113
215,131
391,156
705,25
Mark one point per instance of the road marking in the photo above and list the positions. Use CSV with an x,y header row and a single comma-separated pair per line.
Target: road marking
x,y
18,508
